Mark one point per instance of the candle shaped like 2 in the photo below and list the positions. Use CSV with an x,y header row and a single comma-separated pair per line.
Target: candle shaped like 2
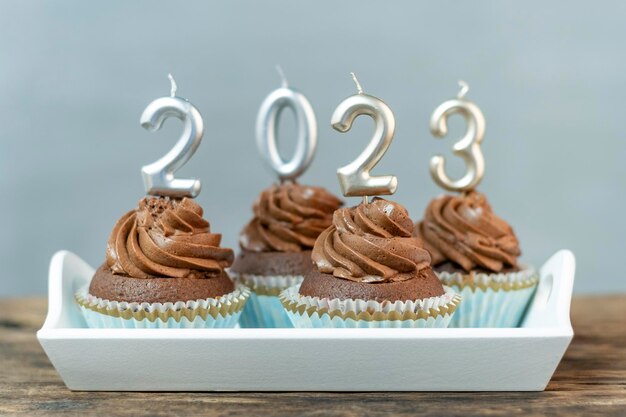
x,y
306,123
355,178
158,177
468,148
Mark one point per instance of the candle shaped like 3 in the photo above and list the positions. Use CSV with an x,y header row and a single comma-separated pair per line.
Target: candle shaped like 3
x,y
355,178
158,177
468,148
306,123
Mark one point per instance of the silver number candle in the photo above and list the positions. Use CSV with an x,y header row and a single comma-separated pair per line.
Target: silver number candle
x,y
158,177
355,178
306,123
468,147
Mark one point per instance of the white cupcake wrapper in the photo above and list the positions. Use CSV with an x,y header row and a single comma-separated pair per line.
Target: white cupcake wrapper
x,y
492,300
307,312
263,309
222,312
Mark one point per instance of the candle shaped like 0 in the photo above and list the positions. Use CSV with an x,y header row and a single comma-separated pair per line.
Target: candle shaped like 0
x,y
468,148
158,177
306,123
355,178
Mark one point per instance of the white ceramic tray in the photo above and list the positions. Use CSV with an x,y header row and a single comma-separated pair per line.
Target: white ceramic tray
x,y
516,359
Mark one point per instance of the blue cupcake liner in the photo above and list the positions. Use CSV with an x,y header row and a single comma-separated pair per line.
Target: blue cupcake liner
x,y
325,321
492,300
491,308
264,309
313,312
222,312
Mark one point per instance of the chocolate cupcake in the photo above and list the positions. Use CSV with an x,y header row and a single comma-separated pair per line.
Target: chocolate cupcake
x,y
476,252
370,272
276,247
165,269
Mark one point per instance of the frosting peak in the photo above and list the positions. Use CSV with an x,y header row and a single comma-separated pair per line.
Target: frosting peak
x,y
165,237
288,218
463,229
371,243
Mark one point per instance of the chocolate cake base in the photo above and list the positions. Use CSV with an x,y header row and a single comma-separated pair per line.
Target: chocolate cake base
x,y
272,263
109,286
424,285
452,268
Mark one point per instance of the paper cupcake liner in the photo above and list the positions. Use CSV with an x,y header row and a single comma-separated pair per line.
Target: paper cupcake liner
x,y
307,312
263,309
492,300
267,284
222,312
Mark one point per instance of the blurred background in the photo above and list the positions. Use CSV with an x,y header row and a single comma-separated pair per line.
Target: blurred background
x,y
76,76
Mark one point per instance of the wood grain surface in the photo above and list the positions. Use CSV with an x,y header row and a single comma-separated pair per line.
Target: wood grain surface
x,y
590,381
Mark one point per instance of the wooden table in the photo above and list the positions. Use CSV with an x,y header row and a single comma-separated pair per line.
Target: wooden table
x,y
591,380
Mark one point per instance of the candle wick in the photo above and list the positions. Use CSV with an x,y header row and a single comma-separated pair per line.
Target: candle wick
x,y
174,87
464,89
283,79
359,89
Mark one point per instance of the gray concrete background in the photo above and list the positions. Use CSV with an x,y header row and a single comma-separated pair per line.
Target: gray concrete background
x,y
75,76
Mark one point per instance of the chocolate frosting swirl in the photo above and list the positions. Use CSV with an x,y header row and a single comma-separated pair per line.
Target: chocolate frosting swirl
x,y
463,229
288,218
371,243
166,237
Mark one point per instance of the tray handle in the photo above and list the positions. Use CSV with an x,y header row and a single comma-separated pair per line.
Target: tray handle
x,y
551,305
66,274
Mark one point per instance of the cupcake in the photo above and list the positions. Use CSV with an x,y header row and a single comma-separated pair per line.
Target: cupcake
x,y
369,271
476,253
164,269
276,247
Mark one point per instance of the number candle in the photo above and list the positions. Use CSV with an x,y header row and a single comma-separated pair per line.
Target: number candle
x,y
306,123
467,148
355,178
158,177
